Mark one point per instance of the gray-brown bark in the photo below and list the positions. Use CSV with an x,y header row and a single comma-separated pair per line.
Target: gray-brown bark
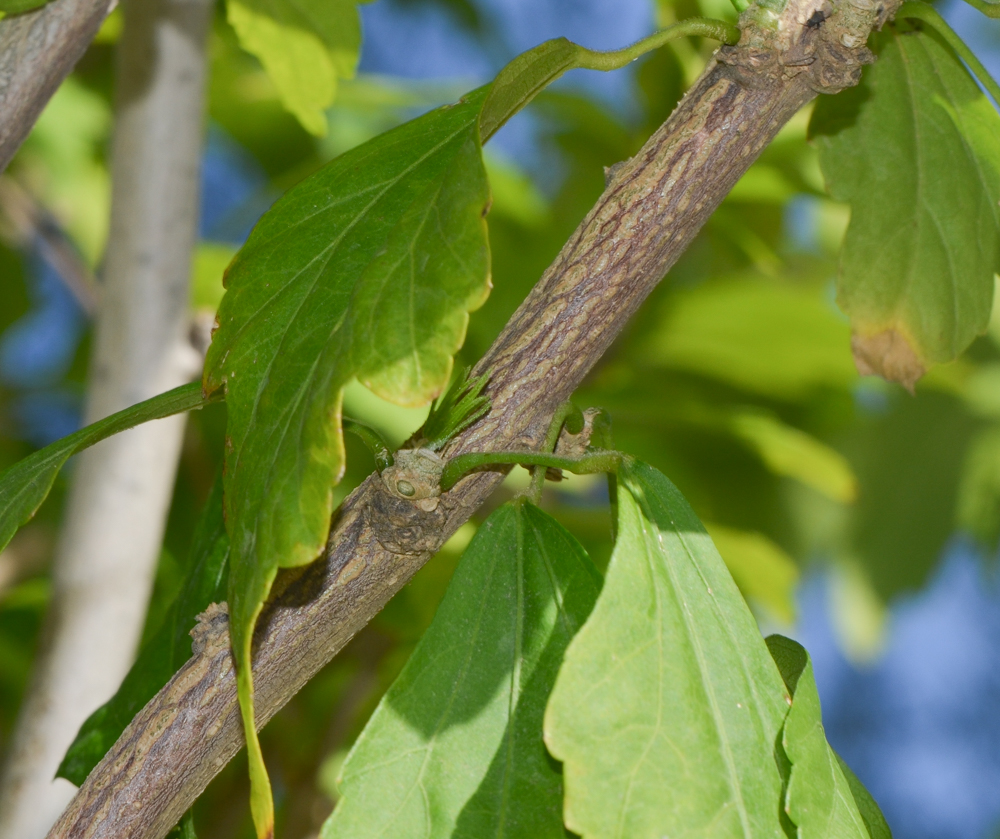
x,y
37,51
651,210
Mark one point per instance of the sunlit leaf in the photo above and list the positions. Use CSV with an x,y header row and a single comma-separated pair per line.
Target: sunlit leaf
x,y
819,799
26,484
366,269
878,827
455,747
915,150
305,46
166,651
668,707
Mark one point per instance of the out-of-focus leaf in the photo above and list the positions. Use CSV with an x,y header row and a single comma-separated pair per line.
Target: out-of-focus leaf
x,y
762,183
819,799
668,706
908,461
857,612
982,391
210,262
26,484
761,569
771,338
978,510
63,162
366,269
915,149
788,451
184,829
515,194
305,46
166,651
394,422
455,748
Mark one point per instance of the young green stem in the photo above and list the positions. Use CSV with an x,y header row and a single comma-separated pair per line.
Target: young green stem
x,y
990,8
616,59
916,10
373,440
589,464
531,72
570,416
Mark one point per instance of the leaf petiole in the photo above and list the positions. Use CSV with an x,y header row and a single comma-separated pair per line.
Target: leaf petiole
x,y
373,440
990,8
704,27
568,415
531,72
589,464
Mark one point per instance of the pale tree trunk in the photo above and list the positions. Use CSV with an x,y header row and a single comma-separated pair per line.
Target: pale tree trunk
x,y
121,489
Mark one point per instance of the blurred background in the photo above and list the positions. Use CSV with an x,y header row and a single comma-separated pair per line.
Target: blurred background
x,y
855,517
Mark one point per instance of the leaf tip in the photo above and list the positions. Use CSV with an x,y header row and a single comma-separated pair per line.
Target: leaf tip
x,y
888,354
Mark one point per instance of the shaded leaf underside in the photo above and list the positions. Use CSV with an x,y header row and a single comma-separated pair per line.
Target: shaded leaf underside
x,y
455,747
915,150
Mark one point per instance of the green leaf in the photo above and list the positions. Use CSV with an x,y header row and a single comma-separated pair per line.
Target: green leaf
x,y
795,454
16,7
877,826
368,268
819,799
529,73
668,708
524,77
908,459
915,150
778,339
304,45
26,484
184,829
166,651
978,505
455,747
456,409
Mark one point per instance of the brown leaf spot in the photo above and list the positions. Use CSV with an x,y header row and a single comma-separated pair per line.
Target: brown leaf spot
x,y
887,354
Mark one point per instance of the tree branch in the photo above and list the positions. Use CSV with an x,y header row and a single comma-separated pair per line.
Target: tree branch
x,y
37,51
651,210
